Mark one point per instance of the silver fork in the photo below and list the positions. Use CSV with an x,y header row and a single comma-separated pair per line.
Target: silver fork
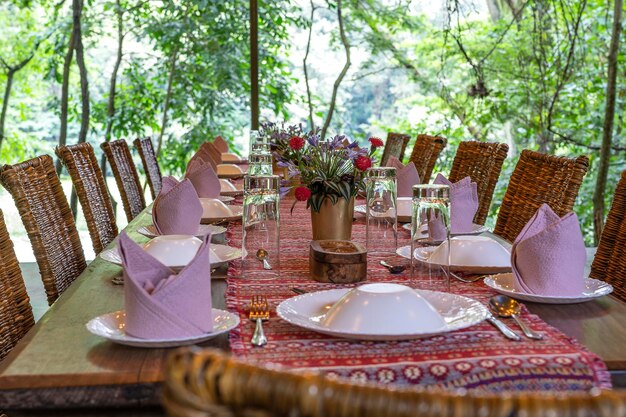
x,y
259,311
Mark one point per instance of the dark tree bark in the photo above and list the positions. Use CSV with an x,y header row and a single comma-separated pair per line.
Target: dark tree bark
x,y
342,74
609,118
11,70
168,97
306,71
65,87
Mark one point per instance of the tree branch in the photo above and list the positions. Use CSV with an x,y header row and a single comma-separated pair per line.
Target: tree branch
x,y
306,72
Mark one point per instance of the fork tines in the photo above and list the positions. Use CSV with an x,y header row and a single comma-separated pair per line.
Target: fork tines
x,y
259,308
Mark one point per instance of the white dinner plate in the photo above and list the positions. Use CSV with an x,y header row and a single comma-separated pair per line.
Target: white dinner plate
x,y
232,193
233,176
476,230
111,327
422,254
203,230
237,213
505,284
308,309
223,252
222,197
401,218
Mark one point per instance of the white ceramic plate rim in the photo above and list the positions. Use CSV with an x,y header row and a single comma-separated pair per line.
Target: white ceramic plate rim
x,y
477,229
224,321
150,231
403,251
503,283
288,311
111,255
237,213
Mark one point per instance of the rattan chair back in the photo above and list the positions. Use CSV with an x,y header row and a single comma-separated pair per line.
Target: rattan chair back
x,y
150,164
16,315
48,221
82,165
609,263
208,383
482,162
394,146
537,179
425,152
126,177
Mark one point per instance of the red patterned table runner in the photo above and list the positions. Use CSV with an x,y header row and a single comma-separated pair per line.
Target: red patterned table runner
x,y
475,358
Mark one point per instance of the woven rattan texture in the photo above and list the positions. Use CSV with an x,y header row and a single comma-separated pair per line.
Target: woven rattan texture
x,y
150,164
48,220
126,176
208,383
425,152
609,263
537,179
482,162
395,145
82,165
16,315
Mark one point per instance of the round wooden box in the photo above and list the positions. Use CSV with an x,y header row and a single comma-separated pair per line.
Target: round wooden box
x,y
337,261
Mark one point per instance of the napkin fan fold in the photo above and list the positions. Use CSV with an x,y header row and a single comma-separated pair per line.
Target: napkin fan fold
x,y
177,210
463,203
406,176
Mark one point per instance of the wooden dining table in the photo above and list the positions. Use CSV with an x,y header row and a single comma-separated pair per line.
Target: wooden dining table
x,y
59,368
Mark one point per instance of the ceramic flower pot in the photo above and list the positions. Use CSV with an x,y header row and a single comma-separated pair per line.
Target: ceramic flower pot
x,y
334,221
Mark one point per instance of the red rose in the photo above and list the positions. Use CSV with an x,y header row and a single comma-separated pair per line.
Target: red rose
x,y
362,163
296,143
302,193
376,142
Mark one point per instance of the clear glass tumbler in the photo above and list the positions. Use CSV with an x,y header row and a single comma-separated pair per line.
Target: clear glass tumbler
x,y
430,237
381,211
261,227
260,164
260,148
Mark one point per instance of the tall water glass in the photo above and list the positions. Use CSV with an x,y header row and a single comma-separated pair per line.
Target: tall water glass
x,y
381,211
430,237
261,227
260,164
260,148
254,138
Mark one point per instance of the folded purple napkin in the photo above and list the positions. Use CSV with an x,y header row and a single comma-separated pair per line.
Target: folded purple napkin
x,y
160,304
463,203
201,157
177,210
406,176
221,144
204,180
548,256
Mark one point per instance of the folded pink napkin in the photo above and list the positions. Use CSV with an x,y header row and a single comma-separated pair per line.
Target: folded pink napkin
x,y
160,304
548,256
204,180
201,157
463,203
177,210
406,176
221,144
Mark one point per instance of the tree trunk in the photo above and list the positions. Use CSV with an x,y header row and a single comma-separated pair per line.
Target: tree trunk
x,y
306,72
5,104
494,10
65,86
607,129
344,70
168,97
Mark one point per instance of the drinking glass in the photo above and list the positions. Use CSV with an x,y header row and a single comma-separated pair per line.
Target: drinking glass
x,y
260,257
430,237
260,148
381,211
260,164
254,138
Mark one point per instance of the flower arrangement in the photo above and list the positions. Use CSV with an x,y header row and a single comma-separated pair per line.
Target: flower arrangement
x,y
330,169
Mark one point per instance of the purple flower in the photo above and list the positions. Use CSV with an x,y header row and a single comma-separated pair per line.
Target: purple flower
x,y
313,140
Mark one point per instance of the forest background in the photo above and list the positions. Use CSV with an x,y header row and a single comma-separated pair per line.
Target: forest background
x,y
531,73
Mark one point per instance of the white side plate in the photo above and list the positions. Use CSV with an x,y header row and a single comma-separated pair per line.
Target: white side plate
x,y
505,284
476,230
472,269
237,213
307,311
111,327
203,230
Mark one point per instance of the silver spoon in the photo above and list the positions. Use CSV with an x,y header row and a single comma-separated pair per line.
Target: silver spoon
x,y
507,307
261,255
394,269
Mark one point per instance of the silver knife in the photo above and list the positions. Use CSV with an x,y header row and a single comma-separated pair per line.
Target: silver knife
x,y
506,330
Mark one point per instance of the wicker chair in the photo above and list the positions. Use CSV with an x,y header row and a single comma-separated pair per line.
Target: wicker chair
x,y
126,176
48,220
609,264
425,153
83,167
208,383
16,315
395,145
482,162
539,179
150,164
